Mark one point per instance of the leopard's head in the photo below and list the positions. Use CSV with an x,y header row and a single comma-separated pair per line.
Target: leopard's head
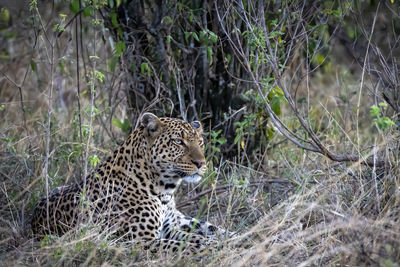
x,y
175,147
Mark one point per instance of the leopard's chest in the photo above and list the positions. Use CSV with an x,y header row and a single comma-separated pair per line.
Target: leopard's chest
x,y
169,220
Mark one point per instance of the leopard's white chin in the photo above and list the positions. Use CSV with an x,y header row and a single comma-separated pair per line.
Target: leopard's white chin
x,y
193,179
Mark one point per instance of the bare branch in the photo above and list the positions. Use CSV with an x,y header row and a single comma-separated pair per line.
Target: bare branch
x,y
314,144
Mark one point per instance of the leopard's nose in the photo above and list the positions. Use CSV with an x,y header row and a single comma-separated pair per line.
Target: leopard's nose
x,y
198,163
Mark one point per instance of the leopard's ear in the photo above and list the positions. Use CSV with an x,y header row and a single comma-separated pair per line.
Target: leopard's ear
x,y
197,125
151,124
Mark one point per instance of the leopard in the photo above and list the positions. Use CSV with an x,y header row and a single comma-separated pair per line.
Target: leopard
x,y
131,193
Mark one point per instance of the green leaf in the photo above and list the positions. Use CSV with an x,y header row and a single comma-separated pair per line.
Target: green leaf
x,y
337,13
213,37
94,160
383,105
116,122
99,76
387,123
168,19
237,138
210,54
195,36
74,6
88,11
61,65
216,149
301,100
45,241
56,27
114,20
169,38
33,65
278,91
112,62
270,132
375,111
276,105
120,48
124,126
221,140
4,14
144,68
318,58
275,34
203,36
33,5
187,34
63,16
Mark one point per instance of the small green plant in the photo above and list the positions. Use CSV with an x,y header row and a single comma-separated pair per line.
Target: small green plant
x,y
123,125
213,146
10,141
208,38
145,69
243,130
94,160
99,76
33,5
58,253
381,122
47,240
58,27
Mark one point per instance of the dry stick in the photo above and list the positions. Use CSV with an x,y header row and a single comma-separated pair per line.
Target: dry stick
x,y
360,93
229,118
48,130
182,106
92,88
20,95
49,112
222,188
78,80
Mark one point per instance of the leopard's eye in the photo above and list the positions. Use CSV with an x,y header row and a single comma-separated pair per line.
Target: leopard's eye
x,y
179,142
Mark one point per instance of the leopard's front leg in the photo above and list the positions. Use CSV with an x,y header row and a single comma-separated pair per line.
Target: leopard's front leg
x,y
200,227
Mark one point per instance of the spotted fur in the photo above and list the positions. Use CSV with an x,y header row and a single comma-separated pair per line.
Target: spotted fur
x,y
131,193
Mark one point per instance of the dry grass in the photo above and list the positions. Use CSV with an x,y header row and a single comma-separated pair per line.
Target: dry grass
x,y
289,208
325,215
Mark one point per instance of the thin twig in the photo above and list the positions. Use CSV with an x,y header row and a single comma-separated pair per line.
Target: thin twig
x,y
78,81
223,188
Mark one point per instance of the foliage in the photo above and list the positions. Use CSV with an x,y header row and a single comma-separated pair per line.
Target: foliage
x,y
215,140
381,122
123,125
